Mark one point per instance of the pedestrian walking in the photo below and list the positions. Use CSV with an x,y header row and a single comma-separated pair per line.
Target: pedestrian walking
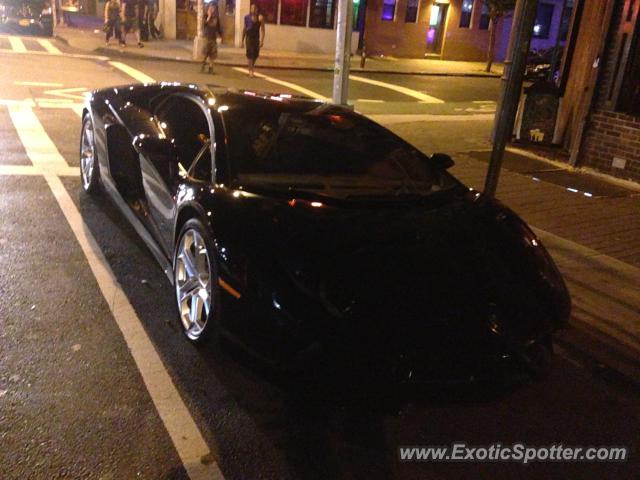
x,y
151,19
212,31
143,26
253,36
129,16
112,25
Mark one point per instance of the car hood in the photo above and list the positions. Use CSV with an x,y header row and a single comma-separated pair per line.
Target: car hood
x,y
448,260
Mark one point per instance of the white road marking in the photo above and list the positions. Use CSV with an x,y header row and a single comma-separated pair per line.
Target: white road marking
x,y
48,46
368,100
492,102
390,119
17,45
423,97
132,72
12,170
40,148
187,439
75,93
292,86
38,84
67,55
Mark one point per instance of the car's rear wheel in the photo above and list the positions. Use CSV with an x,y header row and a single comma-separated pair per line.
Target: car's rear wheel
x,y
89,171
196,282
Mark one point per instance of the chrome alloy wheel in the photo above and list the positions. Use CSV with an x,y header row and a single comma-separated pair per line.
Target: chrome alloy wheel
x,y
193,283
87,155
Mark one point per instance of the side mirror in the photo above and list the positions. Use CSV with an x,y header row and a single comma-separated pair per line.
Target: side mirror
x,y
161,153
442,161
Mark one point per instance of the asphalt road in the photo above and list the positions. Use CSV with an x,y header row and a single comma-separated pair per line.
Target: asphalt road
x,y
73,403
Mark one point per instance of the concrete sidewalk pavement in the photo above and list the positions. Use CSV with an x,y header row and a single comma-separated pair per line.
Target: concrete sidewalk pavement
x,y
90,39
593,234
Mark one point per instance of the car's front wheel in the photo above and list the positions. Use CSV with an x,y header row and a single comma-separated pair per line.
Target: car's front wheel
x,y
196,282
89,171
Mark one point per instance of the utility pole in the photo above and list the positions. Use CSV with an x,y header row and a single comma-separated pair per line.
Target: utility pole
x,y
198,41
343,52
514,70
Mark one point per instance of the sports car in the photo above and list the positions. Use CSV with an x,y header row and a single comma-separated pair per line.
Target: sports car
x,y
301,230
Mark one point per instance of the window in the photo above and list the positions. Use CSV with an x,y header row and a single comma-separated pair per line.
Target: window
x,y
565,21
412,11
184,121
388,10
542,25
465,13
624,92
230,7
283,146
321,15
484,17
268,9
293,12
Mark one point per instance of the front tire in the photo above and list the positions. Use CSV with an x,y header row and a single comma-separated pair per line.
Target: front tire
x,y
89,169
196,282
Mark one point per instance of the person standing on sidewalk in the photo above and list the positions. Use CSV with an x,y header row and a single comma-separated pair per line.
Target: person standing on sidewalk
x,y
253,34
129,16
151,19
143,26
112,20
212,31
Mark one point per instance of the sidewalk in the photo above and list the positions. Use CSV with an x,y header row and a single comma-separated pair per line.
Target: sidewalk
x,y
90,39
591,227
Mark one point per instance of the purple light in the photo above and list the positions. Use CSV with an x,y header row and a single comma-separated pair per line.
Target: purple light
x,y
431,35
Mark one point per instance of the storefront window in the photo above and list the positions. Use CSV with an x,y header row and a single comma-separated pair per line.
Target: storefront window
x,y
484,17
465,13
268,9
293,12
388,10
412,11
321,15
542,26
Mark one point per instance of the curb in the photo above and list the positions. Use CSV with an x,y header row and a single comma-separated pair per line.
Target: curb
x,y
231,63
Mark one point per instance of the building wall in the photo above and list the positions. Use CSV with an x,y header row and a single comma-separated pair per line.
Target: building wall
x,y
396,38
401,39
612,138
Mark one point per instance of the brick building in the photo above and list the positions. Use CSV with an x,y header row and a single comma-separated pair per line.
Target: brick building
x,y
453,29
599,117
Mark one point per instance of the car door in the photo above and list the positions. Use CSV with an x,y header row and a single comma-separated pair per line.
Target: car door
x,y
187,127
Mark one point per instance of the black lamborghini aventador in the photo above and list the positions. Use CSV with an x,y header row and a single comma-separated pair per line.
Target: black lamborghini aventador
x,y
301,229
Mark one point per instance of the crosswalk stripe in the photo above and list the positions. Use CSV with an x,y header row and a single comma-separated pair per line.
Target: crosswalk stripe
x,y
31,170
48,46
17,45
133,72
423,97
292,86
41,150
195,454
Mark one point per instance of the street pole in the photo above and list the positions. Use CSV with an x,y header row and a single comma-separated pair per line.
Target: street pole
x,y
198,41
343,52
513,76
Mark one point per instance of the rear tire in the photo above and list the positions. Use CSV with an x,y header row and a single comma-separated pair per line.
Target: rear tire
x,y
196,283
89,168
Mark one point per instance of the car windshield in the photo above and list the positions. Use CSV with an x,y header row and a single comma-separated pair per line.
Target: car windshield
x,y
325,148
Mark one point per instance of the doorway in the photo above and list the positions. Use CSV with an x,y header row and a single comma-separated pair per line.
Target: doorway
x,y
437,26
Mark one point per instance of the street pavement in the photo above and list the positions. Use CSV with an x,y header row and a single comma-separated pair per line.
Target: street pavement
x,y
76,400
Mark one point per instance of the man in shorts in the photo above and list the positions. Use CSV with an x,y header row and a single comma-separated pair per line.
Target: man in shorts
x,y
130,18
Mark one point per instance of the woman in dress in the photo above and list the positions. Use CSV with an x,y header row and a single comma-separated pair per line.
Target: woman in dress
x,y
253,36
